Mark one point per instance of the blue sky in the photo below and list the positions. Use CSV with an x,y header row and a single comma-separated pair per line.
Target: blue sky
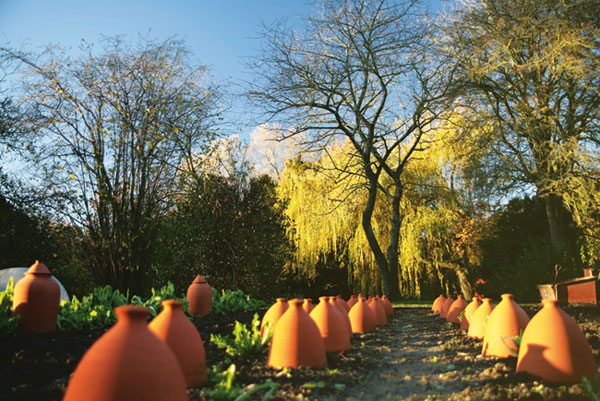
x,y
221,34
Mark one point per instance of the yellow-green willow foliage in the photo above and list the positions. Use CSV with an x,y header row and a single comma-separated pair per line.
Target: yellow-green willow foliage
x,y
325,209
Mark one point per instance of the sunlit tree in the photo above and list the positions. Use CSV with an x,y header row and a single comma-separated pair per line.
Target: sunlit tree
x,y
439,228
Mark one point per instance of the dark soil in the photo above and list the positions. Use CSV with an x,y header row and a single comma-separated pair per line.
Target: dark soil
x,y
417,356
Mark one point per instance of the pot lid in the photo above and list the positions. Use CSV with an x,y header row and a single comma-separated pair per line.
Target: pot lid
x,y
200,279
39,268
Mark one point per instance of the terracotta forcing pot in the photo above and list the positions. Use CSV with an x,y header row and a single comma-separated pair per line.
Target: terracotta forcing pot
x,y
455,309
332,326
361,317
128,362
199,296
554,348
389,308
479,319
353,300
297,340
343,313
468,315
436,308
445,307
173,327
36,299
506,321
340,300
273,314
307,305
378,310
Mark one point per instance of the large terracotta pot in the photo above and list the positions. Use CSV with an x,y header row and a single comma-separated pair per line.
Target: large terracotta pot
x,y
343,313
436,308
378,310
554,348
479,319
352,301
506,321
36,299
173,327
297,340
307,305
445,307
469,310
340,300
455,309
199,296
389,308
128,363
361,317
273,314
332,326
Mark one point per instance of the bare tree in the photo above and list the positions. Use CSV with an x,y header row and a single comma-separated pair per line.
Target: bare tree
x,y
111,132
362,70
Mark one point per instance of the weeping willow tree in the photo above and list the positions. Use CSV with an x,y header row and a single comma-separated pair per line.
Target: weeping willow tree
x,y
438,234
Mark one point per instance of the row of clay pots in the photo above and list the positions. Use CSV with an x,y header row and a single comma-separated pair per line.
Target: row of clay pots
x,y
37,298
135,361
302,336
552,346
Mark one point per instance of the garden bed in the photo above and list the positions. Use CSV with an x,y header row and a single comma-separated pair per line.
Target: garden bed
x,y
416,357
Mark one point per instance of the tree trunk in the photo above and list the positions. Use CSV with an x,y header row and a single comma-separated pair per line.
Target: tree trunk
x,y
463,280
392,254
557,223
380,259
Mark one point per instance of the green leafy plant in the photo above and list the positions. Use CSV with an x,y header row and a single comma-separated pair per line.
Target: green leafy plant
x,y
97,309
225,388
8,322
154,302
516,341
461,316
93,311
592,387
244,341
228,301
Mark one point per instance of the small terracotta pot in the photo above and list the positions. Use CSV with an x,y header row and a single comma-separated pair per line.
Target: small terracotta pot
x,y
445,307
389,308
469,310
455,309
199,296
36,299
378,311
506,321
332,326
554,348
361,317
173,327
128,362
436,308
343,313
307,305
297,340
273,314
382,304
340,300
479,319
352,301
